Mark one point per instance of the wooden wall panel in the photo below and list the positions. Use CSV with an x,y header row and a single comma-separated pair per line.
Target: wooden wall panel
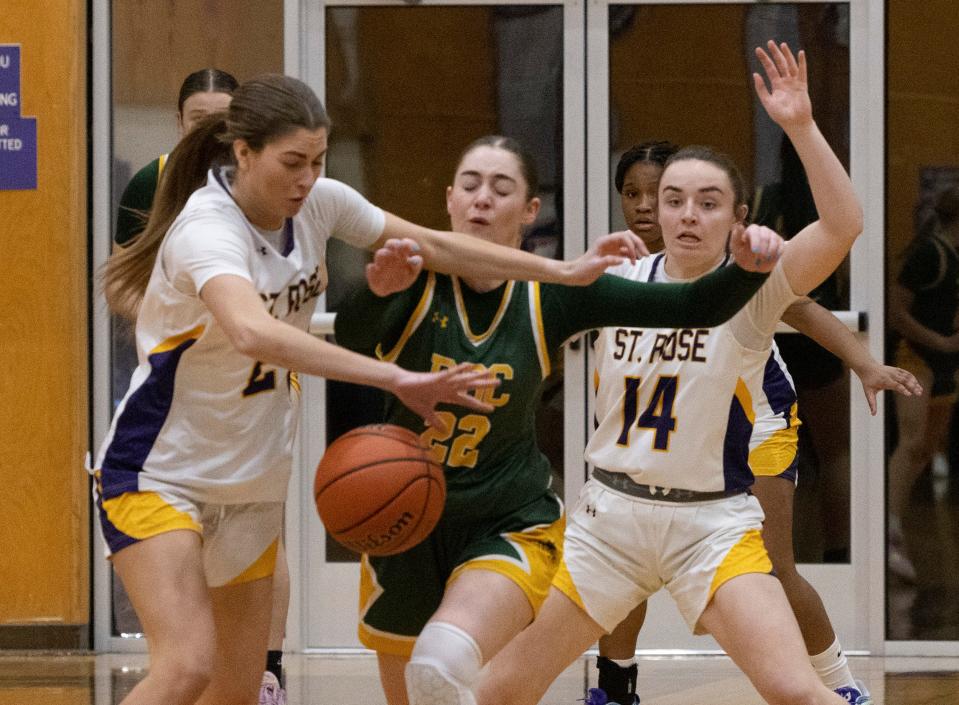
x,y
922,107
683,73
44,570
419,121
701,78
157,44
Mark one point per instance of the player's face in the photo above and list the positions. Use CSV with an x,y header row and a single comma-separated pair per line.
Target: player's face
x,y
639,200
696,213
488,197
198,106
273,184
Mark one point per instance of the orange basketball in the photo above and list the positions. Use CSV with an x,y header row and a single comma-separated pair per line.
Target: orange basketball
x,y
377,491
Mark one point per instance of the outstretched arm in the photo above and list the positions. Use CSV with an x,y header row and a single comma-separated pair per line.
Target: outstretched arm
x,y
255,333
703,303
465,255
816,251
822,326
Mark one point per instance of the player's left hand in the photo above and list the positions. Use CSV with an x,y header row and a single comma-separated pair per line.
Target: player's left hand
x,y
395,267
879,378
755,248
787,98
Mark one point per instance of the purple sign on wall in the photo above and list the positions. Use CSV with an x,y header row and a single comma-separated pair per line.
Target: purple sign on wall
x,y
18,135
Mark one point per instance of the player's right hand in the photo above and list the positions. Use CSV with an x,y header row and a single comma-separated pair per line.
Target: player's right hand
x,y
421,392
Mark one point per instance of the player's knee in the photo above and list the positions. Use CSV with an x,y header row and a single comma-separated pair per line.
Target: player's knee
x,y
185,667
186,678
444,666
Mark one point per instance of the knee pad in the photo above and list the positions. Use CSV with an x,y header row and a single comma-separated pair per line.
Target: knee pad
x,y
445,663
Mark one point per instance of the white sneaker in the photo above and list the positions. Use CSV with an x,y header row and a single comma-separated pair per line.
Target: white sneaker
x,y
857,696
271,692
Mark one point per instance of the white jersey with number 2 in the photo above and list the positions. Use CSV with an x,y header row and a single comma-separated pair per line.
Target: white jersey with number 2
x,y
200,417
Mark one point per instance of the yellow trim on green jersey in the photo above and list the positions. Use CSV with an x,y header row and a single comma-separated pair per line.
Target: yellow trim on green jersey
x,y
161,162
464,319
539,331
419,313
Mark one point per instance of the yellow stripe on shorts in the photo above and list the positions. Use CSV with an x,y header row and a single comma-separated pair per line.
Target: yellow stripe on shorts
x,y
372,638
262,567
563,582
747,556
141,515
541,548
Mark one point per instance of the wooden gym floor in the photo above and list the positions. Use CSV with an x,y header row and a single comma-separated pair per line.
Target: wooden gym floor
x,y
51,679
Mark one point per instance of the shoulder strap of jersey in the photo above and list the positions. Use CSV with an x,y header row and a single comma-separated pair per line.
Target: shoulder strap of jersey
x,y
539,330
416,318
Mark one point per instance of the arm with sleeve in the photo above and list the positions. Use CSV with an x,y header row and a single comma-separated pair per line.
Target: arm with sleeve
x,y
615,301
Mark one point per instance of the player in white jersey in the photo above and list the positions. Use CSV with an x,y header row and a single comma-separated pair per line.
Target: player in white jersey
x,y
223,281
773,453
668,504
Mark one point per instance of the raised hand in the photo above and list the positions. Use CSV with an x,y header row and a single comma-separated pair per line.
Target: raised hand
x,y
877,378
606,252
786,100
641,250
395,267
755,248
422,391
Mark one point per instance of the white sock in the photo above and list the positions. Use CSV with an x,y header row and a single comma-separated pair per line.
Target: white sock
x,y
624,662
832,668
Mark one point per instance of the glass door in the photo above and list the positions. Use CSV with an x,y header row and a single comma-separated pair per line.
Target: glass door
x,y
401,118
922,178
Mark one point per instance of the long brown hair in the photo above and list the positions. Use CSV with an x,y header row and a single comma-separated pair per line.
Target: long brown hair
x,y
262,110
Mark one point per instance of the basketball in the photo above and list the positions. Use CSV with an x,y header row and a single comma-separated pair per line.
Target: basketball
x,y
377,491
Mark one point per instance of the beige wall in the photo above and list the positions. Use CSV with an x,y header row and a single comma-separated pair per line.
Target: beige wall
x,y
157,44
44,536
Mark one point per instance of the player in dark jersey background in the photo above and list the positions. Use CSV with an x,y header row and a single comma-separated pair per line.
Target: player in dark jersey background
x,y
923,308
202,93
502,526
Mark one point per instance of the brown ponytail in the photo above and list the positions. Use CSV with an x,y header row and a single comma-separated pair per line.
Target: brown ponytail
x,y
261,110
126,273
